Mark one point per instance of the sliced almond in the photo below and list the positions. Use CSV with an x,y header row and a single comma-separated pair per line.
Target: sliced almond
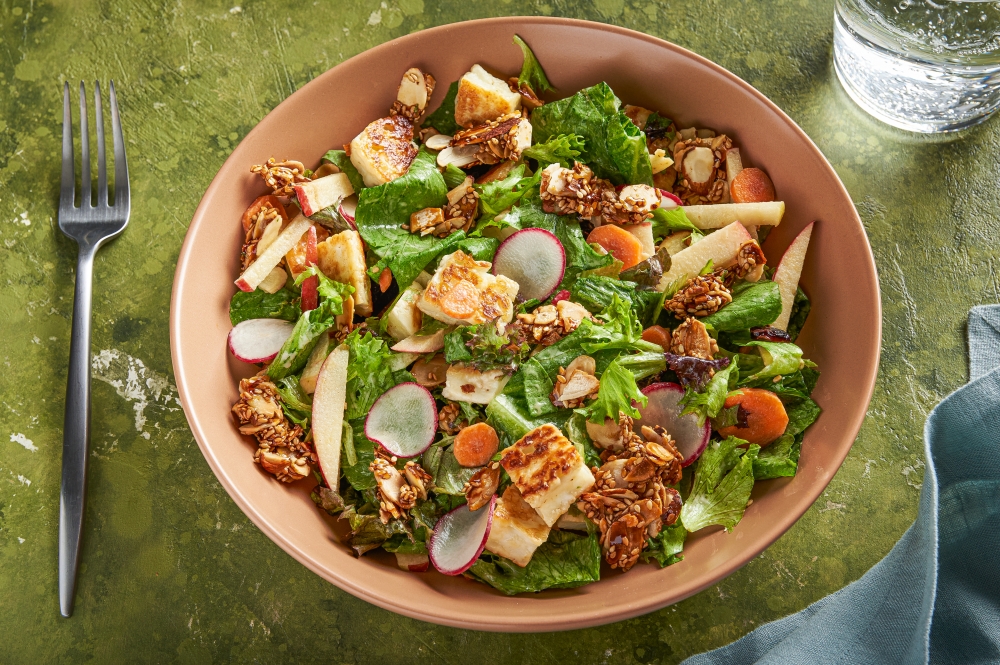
x,y
437,142
458,156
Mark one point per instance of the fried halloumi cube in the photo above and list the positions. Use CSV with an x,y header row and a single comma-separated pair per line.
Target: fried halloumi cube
x,y
384,150
548,470
342,259
463,292
465,384
517,529
482,96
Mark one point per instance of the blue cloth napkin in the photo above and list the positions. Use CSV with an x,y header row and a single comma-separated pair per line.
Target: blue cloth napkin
x,y
935,598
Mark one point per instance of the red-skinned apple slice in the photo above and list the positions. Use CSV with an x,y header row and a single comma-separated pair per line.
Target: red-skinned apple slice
x,y
275,281
664,409
258,340
719,247
348,209
310,297
404,420
327,191
421,343
271,257
535,259
413,563
460,537
787,274
328,414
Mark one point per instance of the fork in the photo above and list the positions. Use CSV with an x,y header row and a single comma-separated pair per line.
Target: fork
x,y
90,226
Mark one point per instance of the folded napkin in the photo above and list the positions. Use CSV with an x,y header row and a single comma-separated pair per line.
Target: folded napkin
x,y
935,598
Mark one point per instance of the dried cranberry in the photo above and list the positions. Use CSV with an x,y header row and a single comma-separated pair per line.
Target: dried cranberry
x,y
769,334
694,372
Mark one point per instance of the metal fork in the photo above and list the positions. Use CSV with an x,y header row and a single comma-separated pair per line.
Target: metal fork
x,y
91,226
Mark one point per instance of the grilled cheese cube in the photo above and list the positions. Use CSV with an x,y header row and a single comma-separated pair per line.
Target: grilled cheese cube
x,y
549,472
404,317
342,259
482,97
383,150
517,529
463,292
465,384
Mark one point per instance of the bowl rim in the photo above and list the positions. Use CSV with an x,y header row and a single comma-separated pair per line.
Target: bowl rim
x,y
435,613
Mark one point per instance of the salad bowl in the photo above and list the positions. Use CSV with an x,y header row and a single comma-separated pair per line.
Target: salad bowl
x,y
842,334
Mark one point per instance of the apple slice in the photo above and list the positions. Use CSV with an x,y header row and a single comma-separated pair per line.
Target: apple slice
x,y
274,281
460,537
644,234
271,257
258,340
787,274
310,296
348,210
664,409
413,563
421,343
404,420
722,214
323,192
719,247
310,374
328,414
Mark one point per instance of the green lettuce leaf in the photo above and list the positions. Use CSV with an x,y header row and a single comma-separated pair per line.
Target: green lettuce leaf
x,y
560,149
709,403
537,388
801,414
510,417
383,210
567,560
614,147
780,358
443,119
481,249
295,351
258,304
359,475
449,476
531,71
453,176
617,392
722,484
368,372
576,431
340,159
666,222
499,195
800,311
621,330
666,547
643,365
756,305
778,459
597,293
296,404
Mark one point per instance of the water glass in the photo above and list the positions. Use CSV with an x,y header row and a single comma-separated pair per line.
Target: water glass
x,y
920,65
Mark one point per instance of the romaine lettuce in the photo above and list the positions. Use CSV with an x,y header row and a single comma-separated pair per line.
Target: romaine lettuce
x,y
615,148
567,560
258,304
340,159
443,119
722,484
778,459
531,71
755,305
666,547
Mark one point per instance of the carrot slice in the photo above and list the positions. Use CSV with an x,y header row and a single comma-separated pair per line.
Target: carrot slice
x,y
620,243
475,445
765,416
250,215
657,335
385,280
751,186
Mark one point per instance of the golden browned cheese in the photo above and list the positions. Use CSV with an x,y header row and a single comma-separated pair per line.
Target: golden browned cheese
x,y
463,292
384,150
539,458
514,507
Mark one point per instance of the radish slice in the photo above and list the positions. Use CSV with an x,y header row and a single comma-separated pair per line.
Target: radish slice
x,y
664,410
403,420
348,210
258,340
669,201
535,259
460,537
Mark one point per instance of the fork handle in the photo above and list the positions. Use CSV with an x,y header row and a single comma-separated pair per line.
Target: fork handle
x,y
76,432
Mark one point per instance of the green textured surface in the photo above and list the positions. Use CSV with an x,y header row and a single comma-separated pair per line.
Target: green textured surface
x,y
172,570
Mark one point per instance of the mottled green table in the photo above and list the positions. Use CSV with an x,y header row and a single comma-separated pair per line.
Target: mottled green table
x,y
172,570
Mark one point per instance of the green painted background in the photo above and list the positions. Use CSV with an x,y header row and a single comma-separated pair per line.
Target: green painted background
x,y
172,570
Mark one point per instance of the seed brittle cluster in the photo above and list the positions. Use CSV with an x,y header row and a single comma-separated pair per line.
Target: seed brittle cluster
x,y
281,450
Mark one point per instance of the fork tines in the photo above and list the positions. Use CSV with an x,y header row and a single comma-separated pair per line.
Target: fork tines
x,y
67,194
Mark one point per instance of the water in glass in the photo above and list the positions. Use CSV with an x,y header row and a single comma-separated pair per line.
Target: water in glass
x,y
921,65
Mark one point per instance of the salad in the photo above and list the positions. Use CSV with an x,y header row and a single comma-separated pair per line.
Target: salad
x,y
523,334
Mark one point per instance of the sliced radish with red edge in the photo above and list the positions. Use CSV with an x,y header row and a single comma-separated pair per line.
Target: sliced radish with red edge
x,y
403,420
535,259
664,409
460,537
258,340
669,200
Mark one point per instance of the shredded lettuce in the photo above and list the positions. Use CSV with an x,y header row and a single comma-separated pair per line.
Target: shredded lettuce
x,y
722,483
567,560
561,149
614,147
532,73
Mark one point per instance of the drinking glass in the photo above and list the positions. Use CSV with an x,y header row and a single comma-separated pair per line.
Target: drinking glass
x,y
921,65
